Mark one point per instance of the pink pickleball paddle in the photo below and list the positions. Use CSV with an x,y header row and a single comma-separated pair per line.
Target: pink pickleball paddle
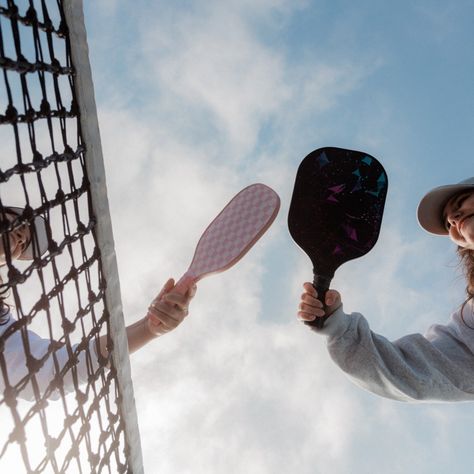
x,y
234,231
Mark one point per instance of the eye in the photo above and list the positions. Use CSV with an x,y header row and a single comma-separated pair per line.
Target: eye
x,y
460,200
22,234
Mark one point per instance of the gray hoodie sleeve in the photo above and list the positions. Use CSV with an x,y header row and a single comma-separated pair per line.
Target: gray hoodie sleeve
x,y
436,367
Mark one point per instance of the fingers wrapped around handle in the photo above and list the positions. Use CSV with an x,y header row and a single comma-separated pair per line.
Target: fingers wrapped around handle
x,y
311,308
169,308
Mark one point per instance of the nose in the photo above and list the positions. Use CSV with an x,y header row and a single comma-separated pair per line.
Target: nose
x,y
19,239
454,217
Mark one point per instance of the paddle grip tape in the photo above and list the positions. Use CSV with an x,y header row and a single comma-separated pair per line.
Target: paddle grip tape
x,y
321,284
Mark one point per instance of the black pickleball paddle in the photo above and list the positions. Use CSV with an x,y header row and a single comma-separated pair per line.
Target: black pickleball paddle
x,y
336,210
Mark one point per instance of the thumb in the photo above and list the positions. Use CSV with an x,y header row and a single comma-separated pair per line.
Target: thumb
x,y
168,286
332,296
185,284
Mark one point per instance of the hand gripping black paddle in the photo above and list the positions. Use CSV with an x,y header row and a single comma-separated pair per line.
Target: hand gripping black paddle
x,y
336,210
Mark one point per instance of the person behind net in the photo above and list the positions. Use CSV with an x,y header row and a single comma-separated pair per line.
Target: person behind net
x,y
438,366
167,310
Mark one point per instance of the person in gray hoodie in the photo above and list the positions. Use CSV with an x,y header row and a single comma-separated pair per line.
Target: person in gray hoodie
x,y
437,366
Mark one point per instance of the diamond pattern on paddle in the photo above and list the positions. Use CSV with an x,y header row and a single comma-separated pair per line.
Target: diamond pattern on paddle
x,y
236,228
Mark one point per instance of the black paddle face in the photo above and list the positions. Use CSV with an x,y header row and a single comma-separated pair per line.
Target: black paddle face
x,y
336,208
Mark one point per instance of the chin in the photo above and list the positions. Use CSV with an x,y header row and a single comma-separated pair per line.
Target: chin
x,y
469,245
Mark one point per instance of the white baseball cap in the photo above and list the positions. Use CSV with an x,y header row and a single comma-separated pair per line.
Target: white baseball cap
x,y
431,207
39,240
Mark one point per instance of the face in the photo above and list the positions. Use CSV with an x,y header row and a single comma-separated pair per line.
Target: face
x,y
18,239
459,219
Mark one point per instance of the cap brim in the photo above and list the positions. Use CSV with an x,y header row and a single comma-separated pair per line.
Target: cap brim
x,y
431,207
39,239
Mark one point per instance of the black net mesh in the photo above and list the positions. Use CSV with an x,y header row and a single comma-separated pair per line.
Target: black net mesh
x,y
59,402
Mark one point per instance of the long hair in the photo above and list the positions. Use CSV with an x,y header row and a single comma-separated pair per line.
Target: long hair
x,y
4,292
4,306
466,257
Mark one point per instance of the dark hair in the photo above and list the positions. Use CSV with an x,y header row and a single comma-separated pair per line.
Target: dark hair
x,y
4,306
4,292
466,257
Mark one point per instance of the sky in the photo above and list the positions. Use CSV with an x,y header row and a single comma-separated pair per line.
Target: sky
x,y
197,100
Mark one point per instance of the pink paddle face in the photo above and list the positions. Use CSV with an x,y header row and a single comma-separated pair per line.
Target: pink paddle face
x,y
234,231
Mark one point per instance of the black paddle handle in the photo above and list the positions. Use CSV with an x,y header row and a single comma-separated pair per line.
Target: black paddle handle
x,y
321,284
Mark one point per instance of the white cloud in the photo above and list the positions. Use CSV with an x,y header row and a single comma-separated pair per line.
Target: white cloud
x,y
217,65
231,390
213,78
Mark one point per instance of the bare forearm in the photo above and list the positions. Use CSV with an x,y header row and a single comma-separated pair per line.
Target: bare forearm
x,y
164,314
138,335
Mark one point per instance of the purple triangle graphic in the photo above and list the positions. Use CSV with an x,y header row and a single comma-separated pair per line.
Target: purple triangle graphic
x,y
337,250
353,234
337,189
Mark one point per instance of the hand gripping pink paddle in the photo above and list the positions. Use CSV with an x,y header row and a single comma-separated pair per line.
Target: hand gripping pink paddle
x,y
234,231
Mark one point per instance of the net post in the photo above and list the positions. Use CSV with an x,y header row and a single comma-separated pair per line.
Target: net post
x,y
73,11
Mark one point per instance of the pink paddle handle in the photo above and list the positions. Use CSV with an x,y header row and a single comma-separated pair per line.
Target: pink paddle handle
x,y
184,282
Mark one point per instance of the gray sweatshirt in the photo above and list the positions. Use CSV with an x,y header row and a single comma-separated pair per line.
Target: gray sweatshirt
x,y
438,366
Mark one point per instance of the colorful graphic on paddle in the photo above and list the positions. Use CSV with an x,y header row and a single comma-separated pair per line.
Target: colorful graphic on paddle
x,y
234,231
336,210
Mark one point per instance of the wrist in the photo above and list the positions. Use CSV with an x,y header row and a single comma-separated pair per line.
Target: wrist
x,y
139,334
337,323
147,333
